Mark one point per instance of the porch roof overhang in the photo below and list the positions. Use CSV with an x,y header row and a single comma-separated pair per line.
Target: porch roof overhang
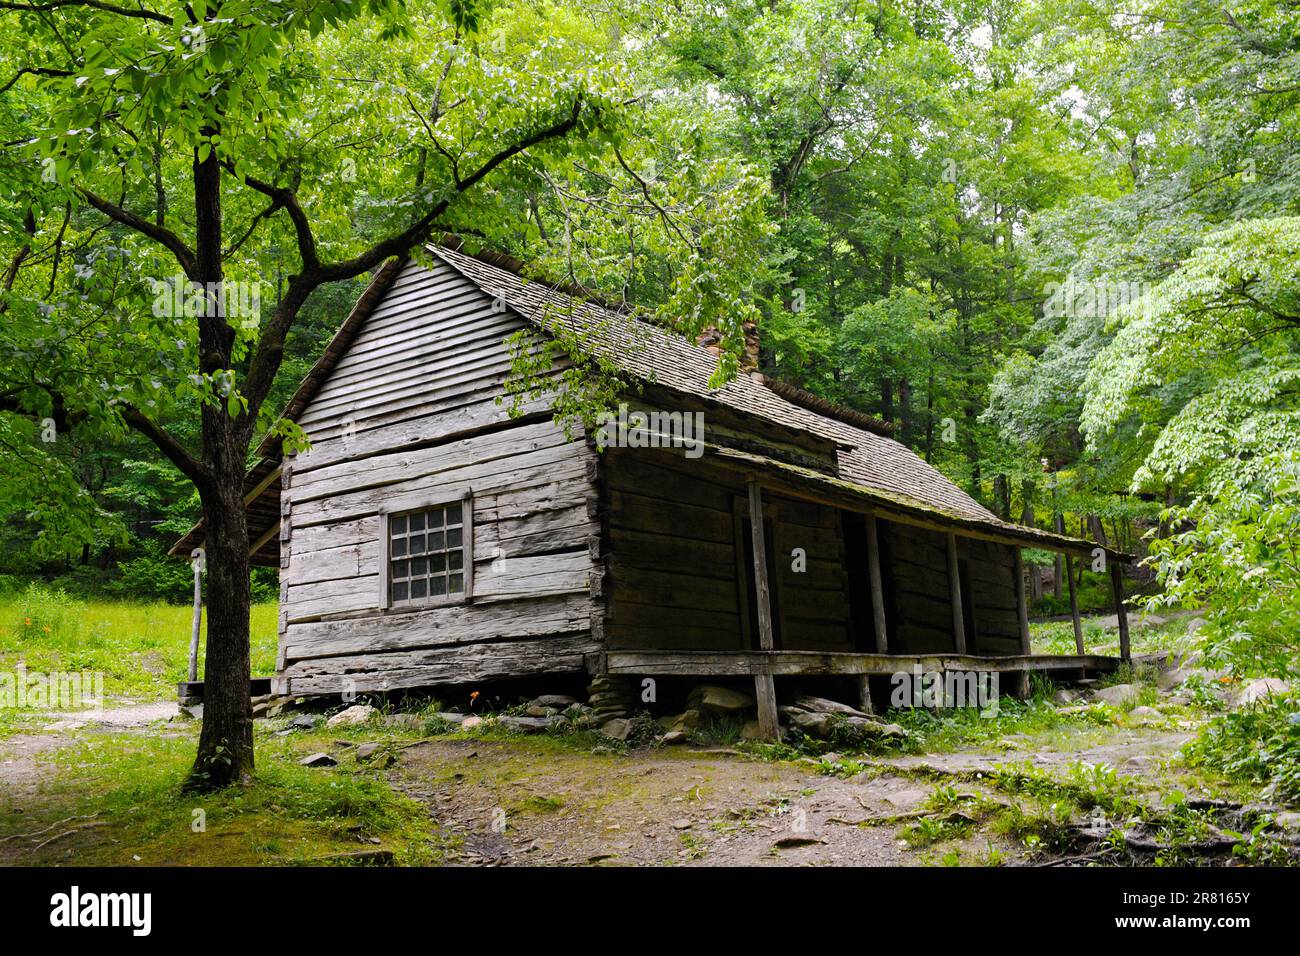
x,y
798,482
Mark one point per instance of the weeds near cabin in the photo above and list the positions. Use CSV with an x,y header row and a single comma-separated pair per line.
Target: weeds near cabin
x,y
1257,745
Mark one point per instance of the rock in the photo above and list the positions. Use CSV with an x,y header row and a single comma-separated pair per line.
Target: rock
x,y
1118,695
354,715
682,824
1287,820
1261,690
787,842
1064,698
722,700
1146,715
814,725
195,712
617,728
529,725
685,722
469,723
368,750
558,701
403,721
1194,625
318,760
673,738
1169,679
305,722
536,710
820,705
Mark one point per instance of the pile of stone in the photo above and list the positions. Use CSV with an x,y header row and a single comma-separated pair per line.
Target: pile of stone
x,y
611,697
830,720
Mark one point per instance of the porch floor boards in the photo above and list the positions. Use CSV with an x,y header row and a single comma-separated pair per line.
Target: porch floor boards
x,y
812,663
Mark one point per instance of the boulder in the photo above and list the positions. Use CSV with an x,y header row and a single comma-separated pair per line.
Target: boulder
x,y
368,750
673,737
685,722
1064,698
617,728
820,705
469,723
318,760
1118,695
721,700
810,723
536,710
1261,690
558,701
354,715
305,722
403,721
529,725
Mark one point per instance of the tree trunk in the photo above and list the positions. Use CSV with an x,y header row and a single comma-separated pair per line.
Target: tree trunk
x,y
905,410
225,753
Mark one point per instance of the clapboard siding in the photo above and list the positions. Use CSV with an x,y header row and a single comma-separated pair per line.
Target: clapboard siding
x,y
410,416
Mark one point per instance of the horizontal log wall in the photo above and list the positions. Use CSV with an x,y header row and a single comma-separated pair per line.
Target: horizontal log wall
x,y
410,415
917,575
674,563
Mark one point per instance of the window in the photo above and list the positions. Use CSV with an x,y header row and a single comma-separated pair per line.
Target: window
x,y
430,554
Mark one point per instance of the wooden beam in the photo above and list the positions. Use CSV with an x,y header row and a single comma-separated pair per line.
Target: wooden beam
x,y
1121,614
264,537
954,596
877,589
1074,604
764,686
1022,619
831,663
262,485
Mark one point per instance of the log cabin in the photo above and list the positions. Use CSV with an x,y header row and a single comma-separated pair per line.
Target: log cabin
x,y
434,534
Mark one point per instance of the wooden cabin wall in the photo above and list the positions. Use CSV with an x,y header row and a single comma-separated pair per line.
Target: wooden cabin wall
x,y
675,562
920,603
410,414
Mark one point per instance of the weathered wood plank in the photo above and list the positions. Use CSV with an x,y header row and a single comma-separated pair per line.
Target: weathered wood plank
x,y
742,663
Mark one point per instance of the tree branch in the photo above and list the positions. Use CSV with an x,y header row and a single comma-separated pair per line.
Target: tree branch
x,y
159,234
139,13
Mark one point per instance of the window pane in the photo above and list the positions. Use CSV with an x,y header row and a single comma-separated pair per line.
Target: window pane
x,y
455,559
399,547
435,518
419,567
417,521
453,537
397,524
418,588
453,514
417,544
399,591
456,584
437,562
435,541
400,569
437,586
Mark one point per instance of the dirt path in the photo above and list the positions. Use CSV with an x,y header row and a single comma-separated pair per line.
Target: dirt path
x,y
521,803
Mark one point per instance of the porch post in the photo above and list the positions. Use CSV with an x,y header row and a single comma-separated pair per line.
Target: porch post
x,y
877,589
1022,618
764,686
1121,615
1074,605
954,594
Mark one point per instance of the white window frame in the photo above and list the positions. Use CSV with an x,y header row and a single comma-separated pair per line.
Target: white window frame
x,y
414,506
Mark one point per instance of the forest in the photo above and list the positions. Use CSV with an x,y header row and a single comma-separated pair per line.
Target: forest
x,y
1052,243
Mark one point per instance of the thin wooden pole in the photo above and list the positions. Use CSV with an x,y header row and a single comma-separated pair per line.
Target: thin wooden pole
x,y
1022,618
954,596
877,588
1074,604
196,559
1121,614
764,684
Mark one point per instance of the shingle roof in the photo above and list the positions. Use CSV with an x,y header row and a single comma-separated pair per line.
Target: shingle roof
x,y
872,462
649,352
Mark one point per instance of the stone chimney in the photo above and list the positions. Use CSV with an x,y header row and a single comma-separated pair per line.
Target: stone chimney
x,y
711,339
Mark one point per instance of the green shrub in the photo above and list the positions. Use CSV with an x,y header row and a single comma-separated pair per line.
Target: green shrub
x,y
1258,745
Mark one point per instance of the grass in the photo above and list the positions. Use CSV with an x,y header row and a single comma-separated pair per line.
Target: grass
x,y
140,648
289,815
